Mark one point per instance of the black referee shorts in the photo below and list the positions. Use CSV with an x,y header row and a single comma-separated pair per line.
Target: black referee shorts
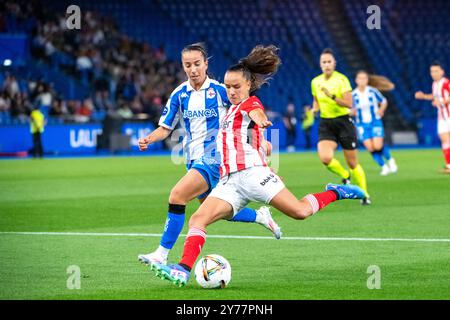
x,y
342,130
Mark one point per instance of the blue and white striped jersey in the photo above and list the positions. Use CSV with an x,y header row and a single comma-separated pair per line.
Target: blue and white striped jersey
x,y
201,113
367,104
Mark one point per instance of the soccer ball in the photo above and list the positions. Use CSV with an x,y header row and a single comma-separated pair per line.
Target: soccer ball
x,y
213,271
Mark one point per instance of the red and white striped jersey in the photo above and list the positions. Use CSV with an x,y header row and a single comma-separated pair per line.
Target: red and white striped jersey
x,y
441,92
240,138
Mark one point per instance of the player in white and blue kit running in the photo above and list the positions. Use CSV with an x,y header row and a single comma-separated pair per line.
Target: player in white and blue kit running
x,y
199,104
369,108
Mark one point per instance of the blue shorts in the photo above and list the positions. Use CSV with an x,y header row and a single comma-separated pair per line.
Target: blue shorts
x,y
370,131
210,170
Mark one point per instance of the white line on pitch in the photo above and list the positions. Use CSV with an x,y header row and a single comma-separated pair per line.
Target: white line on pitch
x,y
105,234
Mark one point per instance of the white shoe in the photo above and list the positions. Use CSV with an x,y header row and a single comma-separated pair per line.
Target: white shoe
x,y
264,218
385,170
392,165
153,257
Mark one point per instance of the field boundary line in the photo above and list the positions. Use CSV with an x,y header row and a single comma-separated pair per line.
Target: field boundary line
x,y
218,236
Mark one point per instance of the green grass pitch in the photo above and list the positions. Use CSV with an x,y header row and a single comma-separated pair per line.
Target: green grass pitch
x,y
127,195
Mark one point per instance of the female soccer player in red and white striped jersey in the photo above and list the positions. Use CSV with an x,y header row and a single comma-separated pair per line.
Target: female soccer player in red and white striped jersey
x,y
440,98
245,175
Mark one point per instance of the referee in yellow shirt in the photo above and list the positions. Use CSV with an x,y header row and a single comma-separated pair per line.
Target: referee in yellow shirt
x,y
332,94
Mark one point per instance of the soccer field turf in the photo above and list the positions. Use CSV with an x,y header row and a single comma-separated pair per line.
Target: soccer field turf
x,y
126,197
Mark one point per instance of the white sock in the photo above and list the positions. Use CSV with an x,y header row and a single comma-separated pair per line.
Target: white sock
x,y
164,252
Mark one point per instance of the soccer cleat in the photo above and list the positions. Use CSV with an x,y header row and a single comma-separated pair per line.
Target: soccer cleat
x,y
173,273
392,165
385,170
366,201
265,219
348,191
153,257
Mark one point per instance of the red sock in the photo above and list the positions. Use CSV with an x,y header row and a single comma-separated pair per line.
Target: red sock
x,y
320,200
447,156
192,246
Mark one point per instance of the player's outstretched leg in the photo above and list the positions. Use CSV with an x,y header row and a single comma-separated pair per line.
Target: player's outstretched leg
x,y
284,201
303,208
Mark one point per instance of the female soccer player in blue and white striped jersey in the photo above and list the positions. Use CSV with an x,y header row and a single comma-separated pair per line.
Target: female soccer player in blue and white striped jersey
x,y
199,104
370,106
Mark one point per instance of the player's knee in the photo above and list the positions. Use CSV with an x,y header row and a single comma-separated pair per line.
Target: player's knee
x,y
177,196
326,159
197,220
300,213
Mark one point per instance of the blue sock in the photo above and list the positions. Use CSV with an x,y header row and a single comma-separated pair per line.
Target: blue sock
x,y
378,158
386,153
174,225
245,215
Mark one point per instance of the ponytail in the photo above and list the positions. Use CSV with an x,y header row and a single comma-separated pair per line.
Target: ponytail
x,y
382,83
258,67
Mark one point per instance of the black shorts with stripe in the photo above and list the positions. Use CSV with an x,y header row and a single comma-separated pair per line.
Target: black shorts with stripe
x,y
342,130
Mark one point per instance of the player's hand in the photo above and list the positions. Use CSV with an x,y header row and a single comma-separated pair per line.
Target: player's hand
x,y
419,95
267,148
143,143
435,103
265,124
381,113
327,93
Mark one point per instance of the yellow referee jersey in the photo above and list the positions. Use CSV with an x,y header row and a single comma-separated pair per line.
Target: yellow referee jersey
x,y
337,84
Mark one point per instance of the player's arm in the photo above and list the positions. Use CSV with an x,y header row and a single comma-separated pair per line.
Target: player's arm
x,y
267,146
167,123
447,92
346,100
383,107
259,117
419,95
159,134
315,106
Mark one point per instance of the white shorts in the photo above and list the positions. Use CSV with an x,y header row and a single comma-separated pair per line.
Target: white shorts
x,y
443,126
258,184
